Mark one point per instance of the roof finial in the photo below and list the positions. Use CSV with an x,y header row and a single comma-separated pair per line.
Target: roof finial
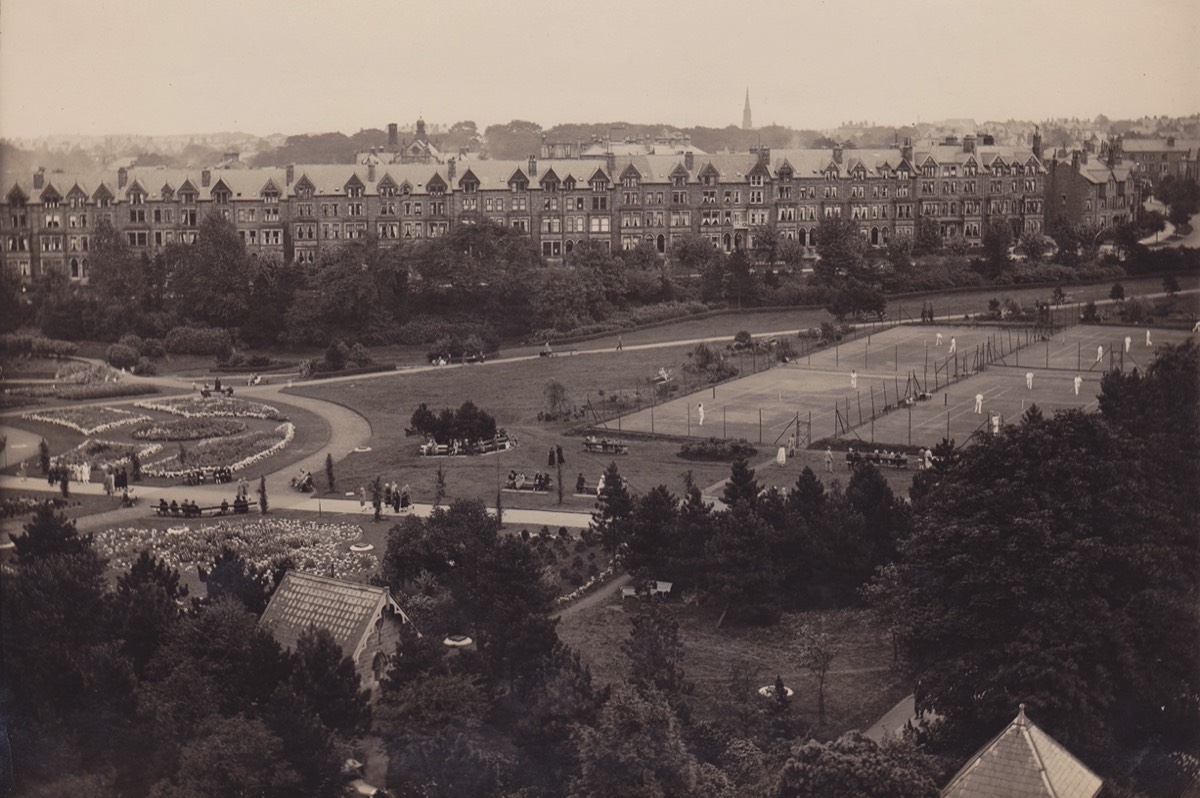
x,y
1021,719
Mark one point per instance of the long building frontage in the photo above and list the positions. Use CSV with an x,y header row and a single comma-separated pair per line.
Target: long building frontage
x,y
296,213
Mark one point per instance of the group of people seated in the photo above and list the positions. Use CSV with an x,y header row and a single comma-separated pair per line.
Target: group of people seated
x,y
303,481
197,476
884,458
501,442
254,379
206,391
518,481
189,509
924,458
594,444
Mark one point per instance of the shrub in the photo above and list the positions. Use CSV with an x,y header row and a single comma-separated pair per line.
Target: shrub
x,y
717,449
359,355
103,390
200,341
145,367
120,356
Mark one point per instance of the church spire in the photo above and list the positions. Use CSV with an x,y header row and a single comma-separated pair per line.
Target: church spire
x,y
746,123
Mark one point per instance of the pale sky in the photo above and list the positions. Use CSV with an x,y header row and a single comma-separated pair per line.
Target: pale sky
x,y
297,66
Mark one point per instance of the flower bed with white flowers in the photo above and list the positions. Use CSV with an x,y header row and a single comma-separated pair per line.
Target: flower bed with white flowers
x,y
308,545
587,586
212,407
235,452
100,453
88,420
189,429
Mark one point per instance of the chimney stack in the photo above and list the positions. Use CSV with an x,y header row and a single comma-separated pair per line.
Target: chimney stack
x,y
532,166
393,136
1083,157
451,168
232,156
1036,143
837,153
291,173
122,177
39,178
1075,160
1170,141
906,150
205,178
610,161
689,160
969,143
371,172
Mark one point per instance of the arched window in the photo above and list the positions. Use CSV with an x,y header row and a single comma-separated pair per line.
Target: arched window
x,y
568,246
75,268
661,243
727,240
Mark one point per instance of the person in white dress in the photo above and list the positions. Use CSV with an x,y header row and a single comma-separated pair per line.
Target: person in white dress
x,y
853,378
1078,382
953,345
700,412
978,403
1029,380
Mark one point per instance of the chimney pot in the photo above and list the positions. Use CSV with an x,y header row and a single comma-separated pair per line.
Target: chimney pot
x,y
122,177
39,177
291,173
689,160
205,178
837,153
371,172
532,166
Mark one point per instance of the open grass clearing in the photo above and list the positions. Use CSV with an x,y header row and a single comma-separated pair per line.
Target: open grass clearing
x,y
860,687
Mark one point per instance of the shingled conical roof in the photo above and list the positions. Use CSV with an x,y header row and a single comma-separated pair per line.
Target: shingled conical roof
x,y
1023,762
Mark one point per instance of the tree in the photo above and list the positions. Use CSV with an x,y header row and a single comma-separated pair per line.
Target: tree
x,y
741,488
927,237
1032,244
692,253
655,654
1117,294
611,519
1093,617
855,765
146,606
210,278
47,534
740,285
1170,285
841,247
262,494
43,456
232,756
900,252
635,748
997,238
1182,194
231,576
557,398
738,571
652,532
767,242
329,471
817,651
326,681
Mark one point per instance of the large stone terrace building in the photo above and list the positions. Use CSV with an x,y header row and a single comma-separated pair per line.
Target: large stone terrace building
x,y
620,201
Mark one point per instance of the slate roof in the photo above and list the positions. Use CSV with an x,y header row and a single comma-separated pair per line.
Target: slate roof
x,y
1159,145
348,610
1023,762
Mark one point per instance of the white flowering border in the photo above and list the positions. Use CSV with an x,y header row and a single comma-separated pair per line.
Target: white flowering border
x,y
182,407
587,586
147,450
289,433
48,417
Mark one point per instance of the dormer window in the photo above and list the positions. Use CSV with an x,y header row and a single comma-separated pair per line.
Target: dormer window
x,y
221,197
354,192
470,187
519,186
569,184
629,182
271,198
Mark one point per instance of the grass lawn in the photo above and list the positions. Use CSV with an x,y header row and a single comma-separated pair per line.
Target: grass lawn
x,y
859,689
513,393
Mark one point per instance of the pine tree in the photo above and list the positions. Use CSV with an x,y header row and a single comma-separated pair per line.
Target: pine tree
x,y
262,494
329,471
742,487
614,510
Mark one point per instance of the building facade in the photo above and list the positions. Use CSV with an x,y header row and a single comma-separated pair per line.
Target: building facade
x,y
620,201
1154,159
1090,191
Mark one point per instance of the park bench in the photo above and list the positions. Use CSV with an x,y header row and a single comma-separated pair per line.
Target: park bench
x,y
200,511
544,353
605,447
207,393
892,461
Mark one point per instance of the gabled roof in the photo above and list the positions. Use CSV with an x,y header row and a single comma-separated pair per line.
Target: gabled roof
x,y
631,171
1023,762
347,610
709,171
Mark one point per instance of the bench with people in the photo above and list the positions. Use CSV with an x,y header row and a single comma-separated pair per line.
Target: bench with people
x,y
302,482
548,352
218,475
431,448
190,509
539,483
877,458
604,446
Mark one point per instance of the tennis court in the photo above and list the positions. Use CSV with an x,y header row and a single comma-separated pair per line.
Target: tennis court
x,y
857,391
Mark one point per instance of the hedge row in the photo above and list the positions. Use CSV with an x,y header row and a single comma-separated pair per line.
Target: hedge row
x,y
199,341
35,346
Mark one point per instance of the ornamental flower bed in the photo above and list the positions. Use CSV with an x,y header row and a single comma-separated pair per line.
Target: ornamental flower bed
x,y
310,546
212,407
235,452
88,420
189,429
100,453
